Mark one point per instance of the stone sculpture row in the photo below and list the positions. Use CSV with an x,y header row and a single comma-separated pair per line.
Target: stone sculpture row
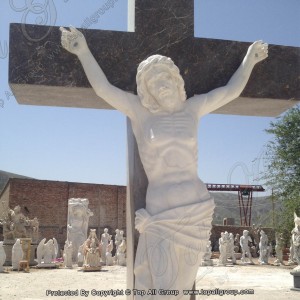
x,y
91,254
228,247
17,255
94,252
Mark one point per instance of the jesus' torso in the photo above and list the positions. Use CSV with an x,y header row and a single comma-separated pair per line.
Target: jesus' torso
x,y
167,144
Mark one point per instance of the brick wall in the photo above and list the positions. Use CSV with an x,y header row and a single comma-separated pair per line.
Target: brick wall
x,y
48,201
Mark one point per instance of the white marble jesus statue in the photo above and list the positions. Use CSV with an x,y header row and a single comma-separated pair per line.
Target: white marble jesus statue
x,y
175,224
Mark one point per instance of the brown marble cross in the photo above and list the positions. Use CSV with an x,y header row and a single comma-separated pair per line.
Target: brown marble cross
x,y
42,73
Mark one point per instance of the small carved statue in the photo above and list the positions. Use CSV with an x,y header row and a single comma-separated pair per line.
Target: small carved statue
x,y
121,256
17,254
244,242
2,257
109,258
279,249
80,258
68,253
230,248
237,246
92,251
207,261
295,243
47,252
105,240
263,248
223,245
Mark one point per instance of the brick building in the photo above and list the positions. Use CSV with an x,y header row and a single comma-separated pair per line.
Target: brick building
x,y
48,201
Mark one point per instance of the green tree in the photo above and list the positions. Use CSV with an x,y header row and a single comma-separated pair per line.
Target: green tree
x,y
283,167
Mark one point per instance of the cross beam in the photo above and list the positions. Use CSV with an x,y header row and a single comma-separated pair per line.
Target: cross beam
x,y
42,73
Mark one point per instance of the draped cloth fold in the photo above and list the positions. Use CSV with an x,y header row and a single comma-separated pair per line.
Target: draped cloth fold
x,y
171,243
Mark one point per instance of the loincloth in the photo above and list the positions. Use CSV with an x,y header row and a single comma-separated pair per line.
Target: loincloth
x,y
186,226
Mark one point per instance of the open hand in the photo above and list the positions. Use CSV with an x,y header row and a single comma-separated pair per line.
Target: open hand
x,y
73,40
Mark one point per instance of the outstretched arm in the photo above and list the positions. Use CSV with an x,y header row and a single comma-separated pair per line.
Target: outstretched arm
x,y
74,41
216,98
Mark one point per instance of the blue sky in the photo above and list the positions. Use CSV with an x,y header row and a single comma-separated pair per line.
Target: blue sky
x,y
85,145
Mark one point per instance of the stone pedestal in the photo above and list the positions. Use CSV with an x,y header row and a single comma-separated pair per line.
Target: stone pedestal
x,y
207,263
91,269
8,251
296,275
47,266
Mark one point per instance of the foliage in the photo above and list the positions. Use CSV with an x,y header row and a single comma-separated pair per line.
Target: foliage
x,y
283,167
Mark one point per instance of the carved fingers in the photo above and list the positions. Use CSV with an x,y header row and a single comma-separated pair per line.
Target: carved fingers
x,y
72,40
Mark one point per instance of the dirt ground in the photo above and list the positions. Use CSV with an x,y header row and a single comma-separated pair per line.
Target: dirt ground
x,y
267,282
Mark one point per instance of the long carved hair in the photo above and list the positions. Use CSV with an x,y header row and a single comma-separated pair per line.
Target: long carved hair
x,y
157,60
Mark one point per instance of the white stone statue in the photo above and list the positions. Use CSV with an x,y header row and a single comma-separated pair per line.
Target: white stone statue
x,y
279,249
19,223
78,221
121,253
80,258
223,245
92,250
179,209
230,248
295,244
2,257
244,240
108,255
118,238
263,248
34,224
207,261
17,254
237,245
68,254
47,252
16,225
256,238
105,240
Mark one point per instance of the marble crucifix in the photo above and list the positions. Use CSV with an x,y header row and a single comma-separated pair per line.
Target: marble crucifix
x,y
169,32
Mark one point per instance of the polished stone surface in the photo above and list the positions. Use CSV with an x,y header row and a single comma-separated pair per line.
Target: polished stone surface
x,y
168,30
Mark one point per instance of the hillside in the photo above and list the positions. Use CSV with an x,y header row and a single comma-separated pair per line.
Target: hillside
x,y
4,176
227,207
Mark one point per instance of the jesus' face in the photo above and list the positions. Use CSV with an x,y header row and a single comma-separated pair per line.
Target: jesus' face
x,y
162,86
